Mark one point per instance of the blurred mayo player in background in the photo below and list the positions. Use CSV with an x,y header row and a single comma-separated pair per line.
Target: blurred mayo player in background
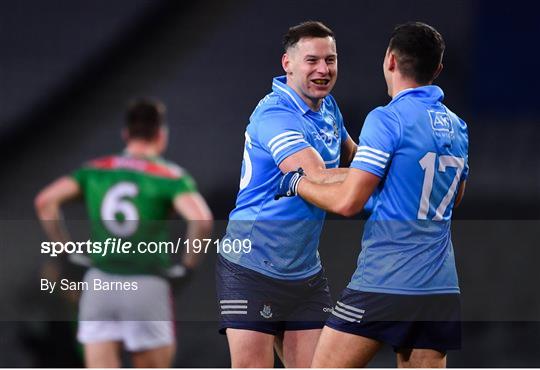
x,y
412,159
277,295
129,196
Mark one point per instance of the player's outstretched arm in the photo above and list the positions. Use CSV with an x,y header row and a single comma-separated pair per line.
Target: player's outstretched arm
x,y
313,166
193,208
48,202
346,198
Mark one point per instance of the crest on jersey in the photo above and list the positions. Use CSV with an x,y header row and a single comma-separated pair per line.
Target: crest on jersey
x,y
336,130
332,121
266,312
440,121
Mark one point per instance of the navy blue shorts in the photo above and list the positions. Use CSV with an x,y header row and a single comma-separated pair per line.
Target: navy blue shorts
x,y
403,321
253,301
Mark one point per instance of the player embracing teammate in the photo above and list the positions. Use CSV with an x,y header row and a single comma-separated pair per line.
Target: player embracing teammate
x,y
277,295
412,160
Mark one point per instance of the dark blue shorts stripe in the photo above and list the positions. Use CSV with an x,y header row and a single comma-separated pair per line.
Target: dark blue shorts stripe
x,y
250,300
403,321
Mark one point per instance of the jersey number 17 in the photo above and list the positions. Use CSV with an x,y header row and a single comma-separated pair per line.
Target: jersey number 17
x,y
428,165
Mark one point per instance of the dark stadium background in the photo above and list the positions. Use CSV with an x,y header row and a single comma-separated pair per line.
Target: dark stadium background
x,y
68,68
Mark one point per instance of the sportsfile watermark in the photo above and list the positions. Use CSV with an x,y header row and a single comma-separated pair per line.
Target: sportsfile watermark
x,y
121,246
496,263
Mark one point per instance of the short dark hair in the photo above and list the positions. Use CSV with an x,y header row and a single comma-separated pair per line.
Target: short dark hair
x,y
419,49
305,29
144,118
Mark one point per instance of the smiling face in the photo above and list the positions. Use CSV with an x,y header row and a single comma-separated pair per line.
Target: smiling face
x,y
311,67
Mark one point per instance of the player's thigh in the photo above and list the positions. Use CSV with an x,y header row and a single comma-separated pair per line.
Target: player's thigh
x,y
339,349
250,348
158,357
102,354
146,336
421,358
101,342
305,319
298,347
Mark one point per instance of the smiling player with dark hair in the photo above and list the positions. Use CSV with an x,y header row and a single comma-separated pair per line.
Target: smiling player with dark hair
x,y
277,295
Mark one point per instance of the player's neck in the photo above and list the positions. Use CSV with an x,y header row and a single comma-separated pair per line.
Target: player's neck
x,y
139,148
313,104
402,84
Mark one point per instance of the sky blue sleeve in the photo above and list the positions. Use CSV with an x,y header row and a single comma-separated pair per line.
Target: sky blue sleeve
x,y
465,173
378,141
280,133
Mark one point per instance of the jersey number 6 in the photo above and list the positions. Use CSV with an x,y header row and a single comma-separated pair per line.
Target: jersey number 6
x,y
116,203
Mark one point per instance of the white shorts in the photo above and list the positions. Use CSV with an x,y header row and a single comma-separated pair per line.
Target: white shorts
x,y
141,318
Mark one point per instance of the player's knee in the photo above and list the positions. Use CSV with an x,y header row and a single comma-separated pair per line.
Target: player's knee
x,y
321,358
101,361
317,362
252,360
157,358
252,356
423,358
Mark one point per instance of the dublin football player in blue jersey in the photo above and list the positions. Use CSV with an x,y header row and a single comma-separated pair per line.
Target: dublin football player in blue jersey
x,y
412,159
277,295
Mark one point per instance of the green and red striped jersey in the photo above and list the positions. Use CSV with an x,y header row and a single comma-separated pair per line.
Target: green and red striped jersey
x,y
130,198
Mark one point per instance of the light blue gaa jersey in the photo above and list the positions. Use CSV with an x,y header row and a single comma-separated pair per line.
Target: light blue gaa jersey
x,y
284,233
419,149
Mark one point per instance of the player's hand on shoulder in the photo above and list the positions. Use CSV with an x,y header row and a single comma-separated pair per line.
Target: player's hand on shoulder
x,y
288,184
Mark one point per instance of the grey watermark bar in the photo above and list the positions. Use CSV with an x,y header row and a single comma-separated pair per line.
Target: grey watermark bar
x,y
496,263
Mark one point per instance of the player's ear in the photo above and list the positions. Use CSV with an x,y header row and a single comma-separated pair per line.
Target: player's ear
x,y
392,61
285,61
164,133
162,138
438,71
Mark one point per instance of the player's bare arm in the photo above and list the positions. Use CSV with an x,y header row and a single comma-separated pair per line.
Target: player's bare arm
x,y
348,151
460,193
313,166
193,208
346,198
48,202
